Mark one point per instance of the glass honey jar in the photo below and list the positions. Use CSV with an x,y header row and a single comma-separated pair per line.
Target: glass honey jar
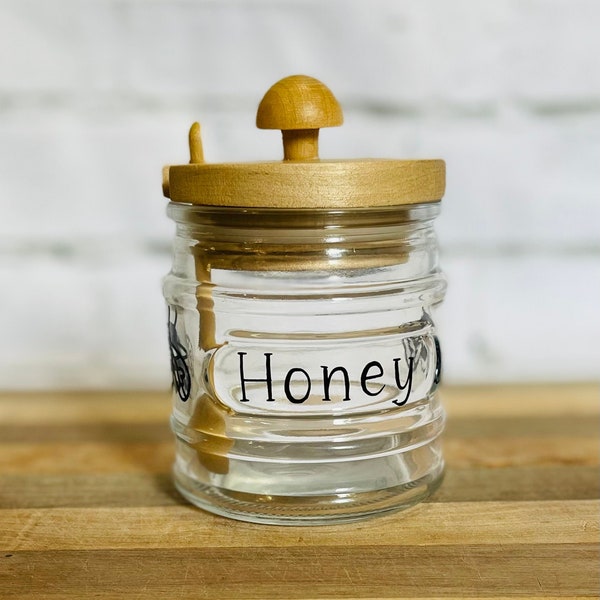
x,y
303,348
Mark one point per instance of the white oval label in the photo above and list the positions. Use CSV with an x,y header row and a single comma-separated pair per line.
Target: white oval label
x,y
324,377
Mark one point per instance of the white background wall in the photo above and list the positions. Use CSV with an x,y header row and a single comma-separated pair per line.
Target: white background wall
x,y
96,95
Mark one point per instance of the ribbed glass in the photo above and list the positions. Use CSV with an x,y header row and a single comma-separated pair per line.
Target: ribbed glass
x,y
305,361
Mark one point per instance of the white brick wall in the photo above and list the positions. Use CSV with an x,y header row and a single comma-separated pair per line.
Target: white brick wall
x,y
96,95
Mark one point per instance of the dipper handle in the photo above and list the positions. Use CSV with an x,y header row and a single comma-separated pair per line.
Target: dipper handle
x,y
299,105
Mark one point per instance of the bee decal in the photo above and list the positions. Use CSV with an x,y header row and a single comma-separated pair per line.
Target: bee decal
x,y
182,381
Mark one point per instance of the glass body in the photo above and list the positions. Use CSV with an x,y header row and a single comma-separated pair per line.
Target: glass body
x,y
305,361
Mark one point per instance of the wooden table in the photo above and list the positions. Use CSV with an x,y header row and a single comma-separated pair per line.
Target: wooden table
x,y
87,509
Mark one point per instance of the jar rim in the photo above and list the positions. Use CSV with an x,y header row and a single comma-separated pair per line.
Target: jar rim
x,y
270,218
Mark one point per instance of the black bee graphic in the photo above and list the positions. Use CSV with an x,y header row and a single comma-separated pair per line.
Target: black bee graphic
x,y
438,361
182,382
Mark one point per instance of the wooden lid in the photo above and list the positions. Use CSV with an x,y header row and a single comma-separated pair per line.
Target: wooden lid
x,y
299,106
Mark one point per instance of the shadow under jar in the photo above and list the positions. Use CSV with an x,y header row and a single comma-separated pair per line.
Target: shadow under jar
x,y
304,353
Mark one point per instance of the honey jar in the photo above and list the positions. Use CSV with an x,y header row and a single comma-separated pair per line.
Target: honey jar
x,y
303,348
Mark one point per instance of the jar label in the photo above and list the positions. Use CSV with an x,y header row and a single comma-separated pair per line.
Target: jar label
x,y
324,377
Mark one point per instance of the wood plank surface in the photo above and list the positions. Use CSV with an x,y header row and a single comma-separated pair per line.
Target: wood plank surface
x,y
88,509
429,524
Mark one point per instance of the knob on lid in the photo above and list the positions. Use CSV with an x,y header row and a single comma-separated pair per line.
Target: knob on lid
x,y
299,106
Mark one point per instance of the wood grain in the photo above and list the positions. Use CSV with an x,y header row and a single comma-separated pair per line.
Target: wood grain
x,y
88,509
323,184
427,525
130,489
394,571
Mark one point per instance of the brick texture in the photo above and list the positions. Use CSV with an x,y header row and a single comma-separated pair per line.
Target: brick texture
x,y
96,96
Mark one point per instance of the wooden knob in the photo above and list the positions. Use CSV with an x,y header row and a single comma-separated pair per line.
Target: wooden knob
x,y
299,105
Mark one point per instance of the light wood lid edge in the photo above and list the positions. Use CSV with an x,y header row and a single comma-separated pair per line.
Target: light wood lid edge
x,y
322,184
